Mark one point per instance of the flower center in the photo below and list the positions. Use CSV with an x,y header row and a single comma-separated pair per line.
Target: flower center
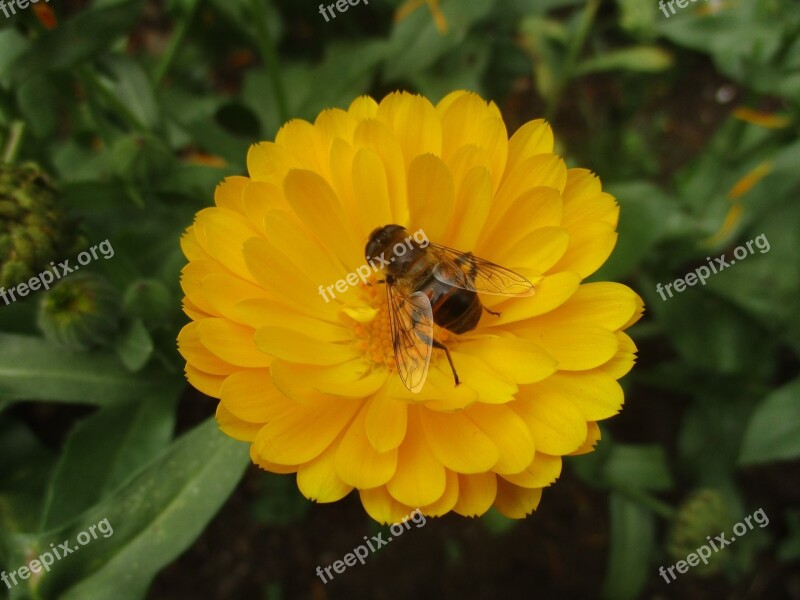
x,y
375,337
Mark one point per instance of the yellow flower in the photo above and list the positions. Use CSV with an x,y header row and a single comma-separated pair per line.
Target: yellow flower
x,y
312,385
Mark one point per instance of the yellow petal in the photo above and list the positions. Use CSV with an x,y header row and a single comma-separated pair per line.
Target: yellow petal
x,y
371,189
543,471
386,421
382,507
448,500
357,463
558,427
574,347
536,208
363,108
198,355
458,443
535,137
316,204
473,202
431,196
597,395
476,493
551,292
590,245
542,170
419,478
584,200
225,291
516,502
319,481
610,305
508,433
301,435
236,428
209,384
491,386
232,343
518,359
251,396
466,120
539,250
228,194
222,233
375,136
269,162
592,437
415,123
286,282
293,347
623,360
268,466
261,312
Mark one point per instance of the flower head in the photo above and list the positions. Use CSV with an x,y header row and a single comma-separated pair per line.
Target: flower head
x,y
312,384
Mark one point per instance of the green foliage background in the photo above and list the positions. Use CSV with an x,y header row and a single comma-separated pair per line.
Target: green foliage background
x,y
137,109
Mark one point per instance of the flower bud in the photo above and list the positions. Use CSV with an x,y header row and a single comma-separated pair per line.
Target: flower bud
x,y
82,311
702,515
34,229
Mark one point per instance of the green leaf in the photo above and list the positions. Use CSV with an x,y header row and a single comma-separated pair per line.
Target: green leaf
x,y
103,451
279,502
415,43
632,545
74,41
34,369
773,432
709,332
25,467
134,346
133,89
154,517
41,101
642,467
647,216
638,59
346,72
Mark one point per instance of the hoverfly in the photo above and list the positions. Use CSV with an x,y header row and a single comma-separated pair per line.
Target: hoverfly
x,y
434,284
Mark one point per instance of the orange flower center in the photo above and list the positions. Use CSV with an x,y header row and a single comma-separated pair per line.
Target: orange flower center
x,y
375,337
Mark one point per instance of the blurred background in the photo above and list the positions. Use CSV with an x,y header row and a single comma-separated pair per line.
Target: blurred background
x,y
119,117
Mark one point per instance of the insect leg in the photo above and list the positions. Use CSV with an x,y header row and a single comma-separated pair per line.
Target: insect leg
x,y
441,346
491,312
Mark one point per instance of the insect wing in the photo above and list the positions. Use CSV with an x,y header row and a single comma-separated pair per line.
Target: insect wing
x,y
411,320
469,272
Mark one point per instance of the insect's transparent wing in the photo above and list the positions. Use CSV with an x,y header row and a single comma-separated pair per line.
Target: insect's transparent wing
x,y
467,271
411,320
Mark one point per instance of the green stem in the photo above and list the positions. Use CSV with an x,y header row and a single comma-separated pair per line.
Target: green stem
x,y
90,80
15,135
175,43
270,57
573,51
660,508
